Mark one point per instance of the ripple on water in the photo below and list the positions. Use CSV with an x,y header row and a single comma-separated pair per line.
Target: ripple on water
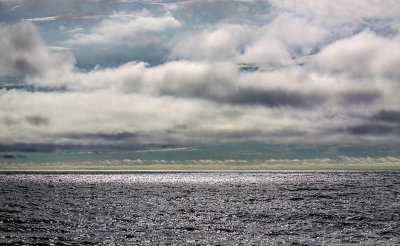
x,y
200,208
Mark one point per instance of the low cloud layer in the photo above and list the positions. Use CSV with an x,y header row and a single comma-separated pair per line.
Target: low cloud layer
x,y
282,74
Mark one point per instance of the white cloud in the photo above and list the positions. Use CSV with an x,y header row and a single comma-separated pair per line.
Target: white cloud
x,y
272,44
297,33
220,43
178,78
78,29
285,37
192,79
364,54
122,28
266,51
341,11
49,18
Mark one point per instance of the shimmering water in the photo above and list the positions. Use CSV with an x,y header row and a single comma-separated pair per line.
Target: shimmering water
x,y
204,208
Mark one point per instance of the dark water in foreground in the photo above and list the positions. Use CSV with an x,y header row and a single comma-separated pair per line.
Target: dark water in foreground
x,y
228,208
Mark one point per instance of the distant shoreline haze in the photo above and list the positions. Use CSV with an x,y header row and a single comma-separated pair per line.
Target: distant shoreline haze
x,y
229,156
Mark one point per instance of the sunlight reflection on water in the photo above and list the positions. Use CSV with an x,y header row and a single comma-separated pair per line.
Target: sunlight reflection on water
x,y
200,207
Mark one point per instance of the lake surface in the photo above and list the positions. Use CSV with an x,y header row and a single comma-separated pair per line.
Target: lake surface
x,y
204,208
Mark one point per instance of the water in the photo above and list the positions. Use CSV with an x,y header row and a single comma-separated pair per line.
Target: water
x,y
203,208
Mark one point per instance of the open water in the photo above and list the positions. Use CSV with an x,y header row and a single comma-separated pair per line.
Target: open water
x,y
200,208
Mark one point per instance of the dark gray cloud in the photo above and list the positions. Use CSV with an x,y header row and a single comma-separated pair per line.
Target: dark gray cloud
x,y
236,134
383,123
375,129
388,116
275,98
21,50
25,67
24,54
360,97
106,137
218,88
30,147
37,120
11,156
50,147
247,96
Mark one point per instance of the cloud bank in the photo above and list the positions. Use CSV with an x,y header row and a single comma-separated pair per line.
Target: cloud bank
x,y
283,73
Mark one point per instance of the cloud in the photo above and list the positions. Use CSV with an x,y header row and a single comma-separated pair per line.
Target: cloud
x,y
8,156
49,18
45,10
285,37
375,129
78,29
122,28
37,120
206,11
217,82
221,43
388,116
308,82
19,46
360,97
275,98
175,78
382,123
364,54
23,53
192,79
266,51
341,11
298,34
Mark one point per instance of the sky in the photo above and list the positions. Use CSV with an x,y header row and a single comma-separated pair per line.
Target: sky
x,y
138,74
